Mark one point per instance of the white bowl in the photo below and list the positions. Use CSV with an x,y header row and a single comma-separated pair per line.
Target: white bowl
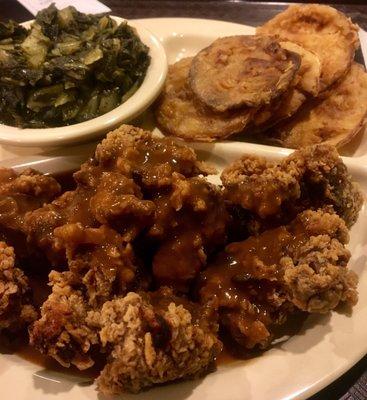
x,y
84,131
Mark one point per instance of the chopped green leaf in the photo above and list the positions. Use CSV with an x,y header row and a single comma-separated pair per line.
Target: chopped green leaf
x,y
67,68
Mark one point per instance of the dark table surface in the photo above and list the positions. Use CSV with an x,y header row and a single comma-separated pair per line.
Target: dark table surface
x,y
353,384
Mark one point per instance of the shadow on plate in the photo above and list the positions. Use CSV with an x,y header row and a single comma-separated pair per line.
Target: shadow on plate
x,y
311,332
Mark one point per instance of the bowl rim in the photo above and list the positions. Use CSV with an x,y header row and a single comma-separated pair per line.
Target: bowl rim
x,y
147,92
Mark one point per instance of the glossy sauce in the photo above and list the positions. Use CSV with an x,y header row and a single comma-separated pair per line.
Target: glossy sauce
x,y
264,198
242,277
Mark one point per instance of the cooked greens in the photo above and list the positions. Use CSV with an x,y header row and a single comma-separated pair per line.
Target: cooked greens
x,y
67,68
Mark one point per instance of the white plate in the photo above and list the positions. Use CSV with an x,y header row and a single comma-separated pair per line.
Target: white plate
x,y
96,127
327,345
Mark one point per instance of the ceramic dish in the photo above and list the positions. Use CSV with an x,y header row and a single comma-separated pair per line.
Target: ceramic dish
x,y
326,347
95,127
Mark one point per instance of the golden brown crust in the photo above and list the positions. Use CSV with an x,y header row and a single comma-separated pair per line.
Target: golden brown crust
x,y
259,282
308,75
283,108
16,310
152,343
335,119
239,71
62,332
321,29
180,114
309,178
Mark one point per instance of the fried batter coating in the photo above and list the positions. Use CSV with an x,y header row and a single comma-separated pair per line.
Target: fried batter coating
x,y
318,280
20,193
257,283
99,259
150,161
273,113
62,332
239,71
313,177
16,310
101,266
190,219
322,30
155,338
135,188
308,75
335,119
260,185
110,187
180,114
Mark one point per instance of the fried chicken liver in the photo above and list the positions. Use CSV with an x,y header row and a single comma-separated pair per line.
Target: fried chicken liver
x,y
16,310
258,282
154,338
20,193
309,178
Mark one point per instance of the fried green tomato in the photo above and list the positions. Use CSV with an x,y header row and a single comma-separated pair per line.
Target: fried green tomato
x,y
321,29
239,71
179,113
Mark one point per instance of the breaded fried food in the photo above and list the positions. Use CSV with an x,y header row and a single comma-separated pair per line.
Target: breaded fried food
x,y
180,114
238,71
20,193
335,119
16,309
309,73
110,188
259,282
277,111
321,29
154,338
190,219
313,177
101,266
62,332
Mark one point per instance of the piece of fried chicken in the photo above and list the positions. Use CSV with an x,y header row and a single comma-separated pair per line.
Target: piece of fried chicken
x,y
101,266
190,220
136,188
154,338
142,186
149,338
313,177
111,186
16,310
20,193
258,282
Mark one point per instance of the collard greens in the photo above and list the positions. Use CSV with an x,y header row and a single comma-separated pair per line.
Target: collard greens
x,y
68,68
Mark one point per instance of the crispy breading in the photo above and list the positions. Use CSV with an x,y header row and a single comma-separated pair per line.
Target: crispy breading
x,y
96,227
272,114
20,193
239,71
155,338
308,75
110,188
62,332
312,177
180,114
191,219
16,309
335,119
321,29
257,283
